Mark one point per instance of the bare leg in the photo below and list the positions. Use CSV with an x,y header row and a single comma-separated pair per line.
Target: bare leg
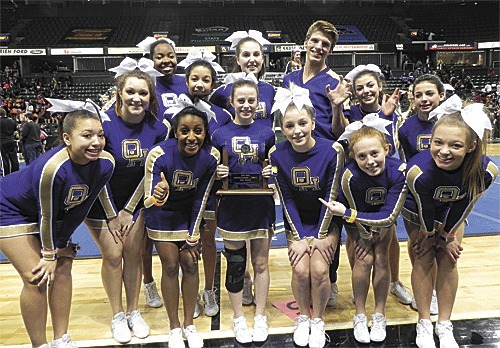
x,y
381,269
301,285
260,263
169,256
190,284
60,293
147,261
209,253
320,283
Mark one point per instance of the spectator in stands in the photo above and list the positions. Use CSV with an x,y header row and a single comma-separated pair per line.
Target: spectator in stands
x,y
295,63
387,72
30,137
8,143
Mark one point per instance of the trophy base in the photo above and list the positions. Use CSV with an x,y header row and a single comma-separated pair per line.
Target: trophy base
x,y
246,192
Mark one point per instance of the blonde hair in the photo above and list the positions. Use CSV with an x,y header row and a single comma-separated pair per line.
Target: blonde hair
x,y
472,166
326,28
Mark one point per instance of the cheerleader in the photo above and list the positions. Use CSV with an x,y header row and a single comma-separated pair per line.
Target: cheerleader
x,y
169,87
41,207
132,130
368,90
444,181
179,176
306,169
327,92
372,195
241,218
415,133
201,74
249,56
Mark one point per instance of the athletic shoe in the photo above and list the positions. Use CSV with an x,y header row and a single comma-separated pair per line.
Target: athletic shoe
x,y
334,295
361,333
211,307
153,299
317,337
241,331
434,310
247,292
197,307
301,331
193,337
425,338
46,345
63,342
260,329
444,330
378,324
137,324
119,327
398,290
175,339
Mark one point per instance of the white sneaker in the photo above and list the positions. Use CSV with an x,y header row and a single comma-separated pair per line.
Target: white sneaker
x,y
193,337
197,307
119,327
444,330
137,324
211,307
334,295
434,310
153,299
175,339
378,324
301,331
425,338
361,333
247,292
241,331
398,290
260,329
318,336
46,345
63,342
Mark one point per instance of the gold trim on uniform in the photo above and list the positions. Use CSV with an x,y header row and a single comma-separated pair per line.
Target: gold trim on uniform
x,y
246,235
209,215
413,218
166,236
153,155
45,193
136,197
96,224
18,230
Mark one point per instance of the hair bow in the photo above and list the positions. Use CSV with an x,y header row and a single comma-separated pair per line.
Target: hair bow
x,y
237,36
233,77
195,54
284,97
473,114
147,42
130,64
370,120
351,75
184,101
64,105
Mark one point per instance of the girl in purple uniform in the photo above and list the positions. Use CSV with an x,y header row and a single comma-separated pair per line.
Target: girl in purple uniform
x,y
41,206
241,218
372,195
444,183
133,129
168,89
368,90
249,56
307,168
179,176
201,75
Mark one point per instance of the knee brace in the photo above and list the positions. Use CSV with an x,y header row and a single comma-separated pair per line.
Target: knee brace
x,y
235,272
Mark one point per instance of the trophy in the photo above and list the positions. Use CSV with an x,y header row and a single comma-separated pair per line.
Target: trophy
x,y
237,184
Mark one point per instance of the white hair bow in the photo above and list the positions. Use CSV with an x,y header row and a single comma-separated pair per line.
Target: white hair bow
x,y
64,105
195,54
472,114
298,95
351,75
237,36
130,64
184,101
370,120
147,42
233,77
